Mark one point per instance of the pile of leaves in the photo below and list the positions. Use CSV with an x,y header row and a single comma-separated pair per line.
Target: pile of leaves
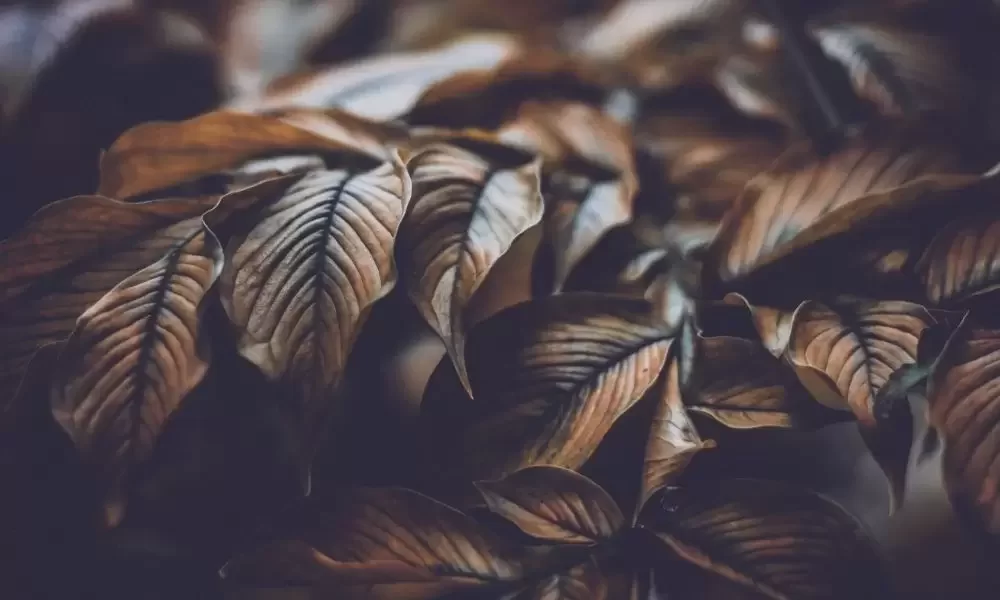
x,y
630,228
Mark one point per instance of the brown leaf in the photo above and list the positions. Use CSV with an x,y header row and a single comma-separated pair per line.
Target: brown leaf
x,y
673,439
963,408
133,357
385,87
595,180
302,277
381,544
785,543
801,189
554,504
755,82
963,259
740,384
551,377
153,156
71,254
586,581
845,353
468,208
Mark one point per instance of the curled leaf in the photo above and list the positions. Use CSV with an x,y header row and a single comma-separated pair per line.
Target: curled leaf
x,y
782,542
303,275
554,504
382,544
71,254
133,357
468,208
551,376
774,325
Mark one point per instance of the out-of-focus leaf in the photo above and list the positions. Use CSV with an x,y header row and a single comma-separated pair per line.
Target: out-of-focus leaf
x,y
740,384
802,188
470,203
594,181
382,544
551,377
385,87
754,83
582,582
71,254
554,504
784,543
303,275
133,357
153,156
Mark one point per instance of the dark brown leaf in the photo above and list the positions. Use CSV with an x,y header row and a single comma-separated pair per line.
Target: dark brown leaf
x,y
774,325
154,156
554,504
468,208
382,544
302,277
583,582
71,254
740,384
785,543
133,357
551,376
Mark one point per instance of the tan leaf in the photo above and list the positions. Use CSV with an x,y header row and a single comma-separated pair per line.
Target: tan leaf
x,y
580,212
673,439
774,325
785,543
153,156
801,189
845,353
554,504
133,357
468,208
385,87
381,544
551,377
68,256
963,406
963,259
302,277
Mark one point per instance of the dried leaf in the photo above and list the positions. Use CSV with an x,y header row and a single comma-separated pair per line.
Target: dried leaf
x,y
741,385
551,376
774,325
554,504
785,543
71,254
673,439
963,259
133,357
468,208
154,156
303,276
801,190
583,582
382,544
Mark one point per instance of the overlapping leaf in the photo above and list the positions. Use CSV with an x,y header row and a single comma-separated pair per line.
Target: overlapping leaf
x,y
133,357
551,377
782,542
555,505
71,254
382,543
303,275
469,205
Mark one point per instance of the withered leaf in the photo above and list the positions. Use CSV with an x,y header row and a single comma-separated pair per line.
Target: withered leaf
x,y
133,357
585,581
802,188
673,439
154,156
774,325
302,277
551,376
468,208
740,384
68,256
385,87
595,180
382,544
554,504
783,542
845,352
963,259
963,407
